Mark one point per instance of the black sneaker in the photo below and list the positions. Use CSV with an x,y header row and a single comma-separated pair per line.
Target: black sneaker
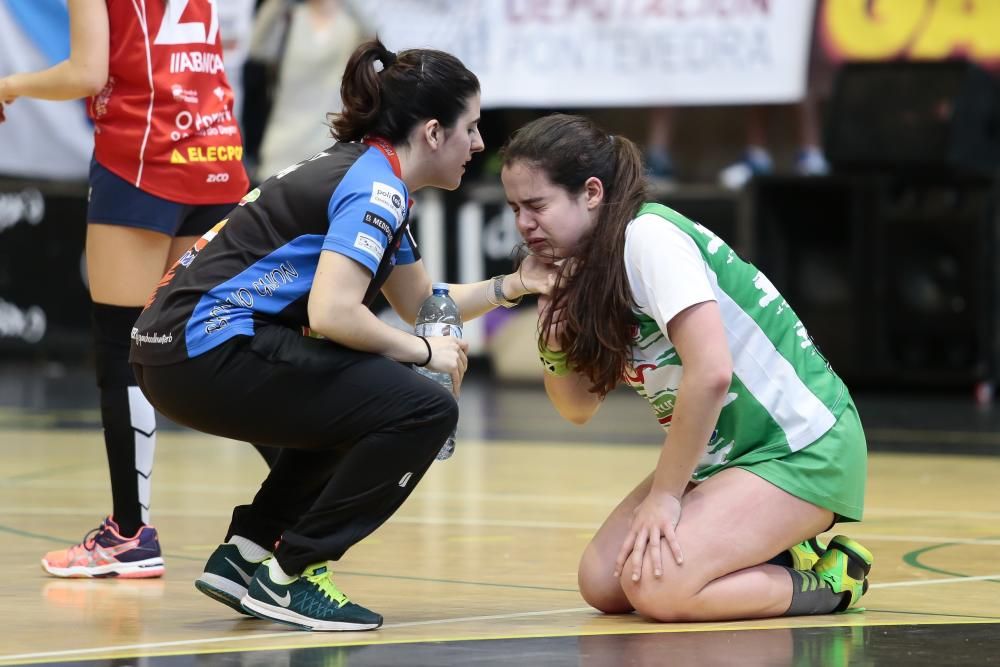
x,y
311,602
226,577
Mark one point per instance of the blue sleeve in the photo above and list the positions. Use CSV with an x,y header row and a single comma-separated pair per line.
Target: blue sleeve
x,y
365,210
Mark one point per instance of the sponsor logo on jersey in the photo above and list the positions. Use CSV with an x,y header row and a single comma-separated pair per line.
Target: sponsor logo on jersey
x,y
200,62
213,154
388,198
369,245
182,94
221,177
151,338
379,223
185,120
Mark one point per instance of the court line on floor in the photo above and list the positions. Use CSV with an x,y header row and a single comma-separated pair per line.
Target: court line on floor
x,y
519,523
966,541
935,582
913,559
870,512
464,619
957,577
271,635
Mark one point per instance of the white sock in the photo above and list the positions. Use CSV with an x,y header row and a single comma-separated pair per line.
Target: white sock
x,y
251,551
278,575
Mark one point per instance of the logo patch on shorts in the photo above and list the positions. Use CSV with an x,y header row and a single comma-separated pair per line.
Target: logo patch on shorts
x,y
388,198
369,245
379,223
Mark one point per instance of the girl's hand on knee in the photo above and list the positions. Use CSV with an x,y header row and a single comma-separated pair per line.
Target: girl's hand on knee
x,y
653,521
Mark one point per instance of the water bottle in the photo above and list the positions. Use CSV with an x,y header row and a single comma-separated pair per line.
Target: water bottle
x,y
439,316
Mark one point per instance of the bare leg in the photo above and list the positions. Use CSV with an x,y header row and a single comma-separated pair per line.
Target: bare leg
x,y
125,263
729,525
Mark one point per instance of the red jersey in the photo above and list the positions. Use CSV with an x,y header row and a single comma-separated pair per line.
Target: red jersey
x,y
164,121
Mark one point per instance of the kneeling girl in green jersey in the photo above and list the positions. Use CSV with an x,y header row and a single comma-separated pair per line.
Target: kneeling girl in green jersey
x,y
764,448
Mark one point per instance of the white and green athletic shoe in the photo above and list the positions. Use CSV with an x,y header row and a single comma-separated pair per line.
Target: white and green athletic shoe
x,y
806,554
311,602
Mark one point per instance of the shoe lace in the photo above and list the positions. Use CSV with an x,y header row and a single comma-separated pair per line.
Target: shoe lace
x,y
320,577
90,539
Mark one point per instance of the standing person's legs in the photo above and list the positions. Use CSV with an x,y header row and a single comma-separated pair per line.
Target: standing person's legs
x,y
123,265
756,160
130,239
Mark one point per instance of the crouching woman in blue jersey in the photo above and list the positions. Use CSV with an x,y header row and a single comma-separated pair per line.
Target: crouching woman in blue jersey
x,y
219,346
764,448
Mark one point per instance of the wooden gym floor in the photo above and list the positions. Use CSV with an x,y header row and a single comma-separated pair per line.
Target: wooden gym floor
x,y
479,565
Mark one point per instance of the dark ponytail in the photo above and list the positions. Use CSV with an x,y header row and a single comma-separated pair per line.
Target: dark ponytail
x,y
596,300
389,100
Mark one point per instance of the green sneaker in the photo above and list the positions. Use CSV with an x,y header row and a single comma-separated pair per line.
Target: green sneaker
x,y
226,577
845,566
311,602
806,554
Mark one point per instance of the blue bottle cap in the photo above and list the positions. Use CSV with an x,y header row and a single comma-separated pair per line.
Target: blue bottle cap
x,y
439,288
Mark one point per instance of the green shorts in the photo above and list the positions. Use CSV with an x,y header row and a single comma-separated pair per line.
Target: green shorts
x,y
830,472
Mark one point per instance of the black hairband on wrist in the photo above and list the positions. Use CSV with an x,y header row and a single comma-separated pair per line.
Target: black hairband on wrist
x,y
429,352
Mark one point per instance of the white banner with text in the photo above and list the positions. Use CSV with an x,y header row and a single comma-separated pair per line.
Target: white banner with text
x,y
604,53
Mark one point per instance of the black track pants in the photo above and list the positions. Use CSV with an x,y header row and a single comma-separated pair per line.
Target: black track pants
x,y
357,432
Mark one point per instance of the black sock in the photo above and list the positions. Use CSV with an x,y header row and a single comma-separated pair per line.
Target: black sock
x,y
783,559
127,417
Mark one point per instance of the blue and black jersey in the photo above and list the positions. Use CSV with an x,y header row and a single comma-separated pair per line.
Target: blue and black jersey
x,y
258,264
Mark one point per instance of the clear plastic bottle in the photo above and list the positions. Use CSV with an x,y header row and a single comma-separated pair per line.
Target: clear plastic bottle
x,y
439,316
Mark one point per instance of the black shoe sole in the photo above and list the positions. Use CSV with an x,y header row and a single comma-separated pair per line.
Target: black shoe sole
x,y
223,597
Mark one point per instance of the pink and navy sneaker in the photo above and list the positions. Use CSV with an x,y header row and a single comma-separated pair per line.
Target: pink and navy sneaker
x,y
105,552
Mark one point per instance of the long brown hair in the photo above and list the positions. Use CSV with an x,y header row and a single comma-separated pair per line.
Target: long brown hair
x,y
593,298
415,85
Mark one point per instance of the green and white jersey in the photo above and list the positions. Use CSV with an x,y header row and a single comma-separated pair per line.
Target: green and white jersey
x,y
783,395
